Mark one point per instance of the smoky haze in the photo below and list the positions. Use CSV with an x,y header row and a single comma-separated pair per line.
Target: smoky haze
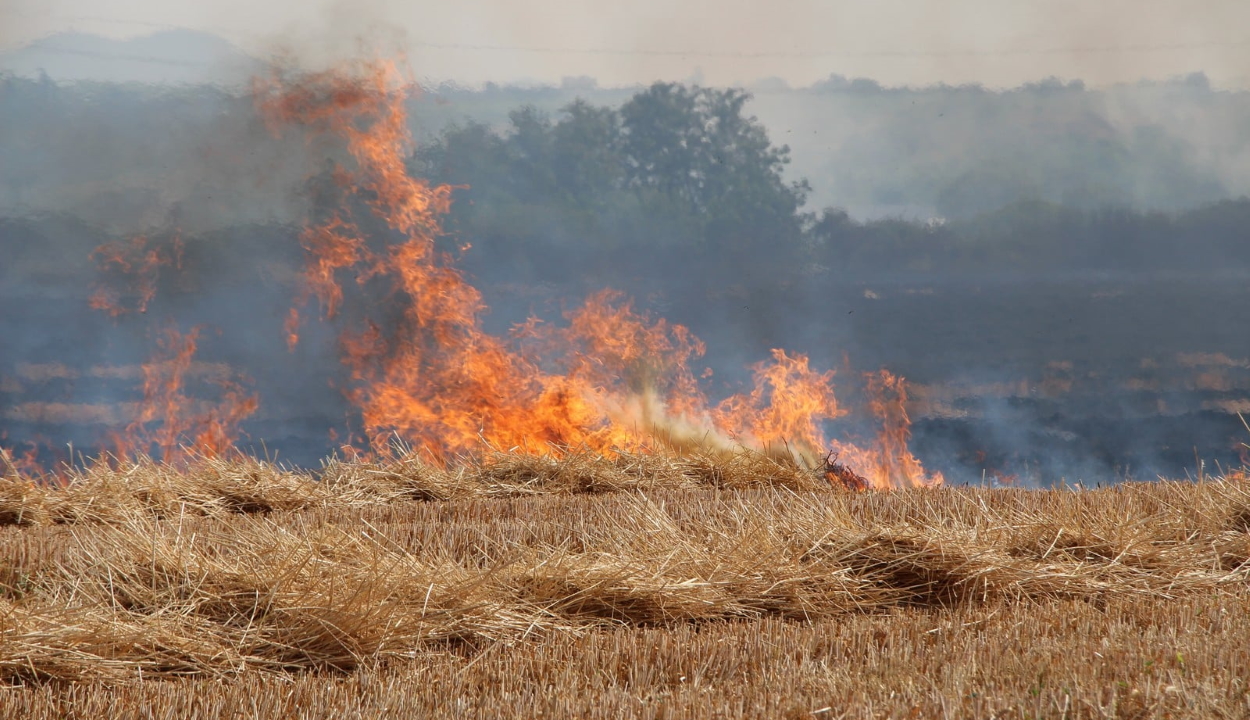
x,y
1055,265
898,42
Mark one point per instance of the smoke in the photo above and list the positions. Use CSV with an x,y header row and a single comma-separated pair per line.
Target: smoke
x,y
201,162
899,42
21,21
334,33
801,41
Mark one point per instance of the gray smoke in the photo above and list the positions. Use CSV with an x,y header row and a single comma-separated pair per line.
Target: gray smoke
x,y
1115,354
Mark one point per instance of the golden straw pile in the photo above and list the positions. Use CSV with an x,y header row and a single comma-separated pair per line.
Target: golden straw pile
x,y
232,572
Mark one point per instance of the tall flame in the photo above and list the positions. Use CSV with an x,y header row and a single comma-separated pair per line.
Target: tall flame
x,y
887,462
612,379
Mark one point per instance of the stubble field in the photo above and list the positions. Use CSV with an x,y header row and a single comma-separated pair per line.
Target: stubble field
x,y
639,586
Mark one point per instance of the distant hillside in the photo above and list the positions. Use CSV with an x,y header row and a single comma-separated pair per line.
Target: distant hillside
x,y
169,57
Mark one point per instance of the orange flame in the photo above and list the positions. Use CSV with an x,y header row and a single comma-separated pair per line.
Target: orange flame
x,y
888,462
785,407
138,261
172,425
611,380
24,463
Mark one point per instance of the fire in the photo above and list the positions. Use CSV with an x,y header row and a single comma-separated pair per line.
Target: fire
x,y
785,407
331,247
422,368
611,380
888,462
168,423
138,263
23,463
172,425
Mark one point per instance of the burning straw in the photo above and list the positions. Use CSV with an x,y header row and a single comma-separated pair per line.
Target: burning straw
x,y
610,380
607,380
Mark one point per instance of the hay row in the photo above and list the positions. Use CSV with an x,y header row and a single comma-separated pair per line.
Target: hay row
x,y
116,492
333,587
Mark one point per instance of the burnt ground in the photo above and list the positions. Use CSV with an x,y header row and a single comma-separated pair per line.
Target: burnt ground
x,y
1077,379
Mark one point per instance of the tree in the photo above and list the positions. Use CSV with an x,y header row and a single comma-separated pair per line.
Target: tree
x,y
586,155
676,171
696,145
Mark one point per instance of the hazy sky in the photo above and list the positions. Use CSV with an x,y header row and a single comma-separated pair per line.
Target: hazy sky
x,y
995,42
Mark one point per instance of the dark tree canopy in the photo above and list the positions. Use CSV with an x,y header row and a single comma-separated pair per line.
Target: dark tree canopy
x,y
674,169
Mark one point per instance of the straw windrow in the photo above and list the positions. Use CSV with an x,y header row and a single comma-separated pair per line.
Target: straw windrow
x,y
237,566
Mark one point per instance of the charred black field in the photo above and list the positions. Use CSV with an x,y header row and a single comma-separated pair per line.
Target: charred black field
x,y
1047,381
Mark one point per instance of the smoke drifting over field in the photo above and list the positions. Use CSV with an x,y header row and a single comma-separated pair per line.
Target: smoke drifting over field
x,y
1047,332
912,42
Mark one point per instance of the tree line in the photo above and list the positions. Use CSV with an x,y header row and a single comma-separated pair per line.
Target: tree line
x,y
683,177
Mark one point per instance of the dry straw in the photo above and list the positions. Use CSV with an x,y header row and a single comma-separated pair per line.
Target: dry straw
x,y
236,566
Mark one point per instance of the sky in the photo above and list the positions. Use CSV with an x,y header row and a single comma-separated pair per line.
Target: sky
x,y
998,43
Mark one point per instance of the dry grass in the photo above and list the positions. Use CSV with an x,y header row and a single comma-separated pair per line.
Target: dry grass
x,y
117,492
588,587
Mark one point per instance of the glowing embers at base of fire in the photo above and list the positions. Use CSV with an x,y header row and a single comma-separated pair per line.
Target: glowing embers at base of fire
x,y
425,371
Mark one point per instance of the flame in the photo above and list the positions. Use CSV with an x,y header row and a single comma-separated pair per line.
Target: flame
x,y
888,462
611,379
23,463
138,262
785,407
170,424
331,247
